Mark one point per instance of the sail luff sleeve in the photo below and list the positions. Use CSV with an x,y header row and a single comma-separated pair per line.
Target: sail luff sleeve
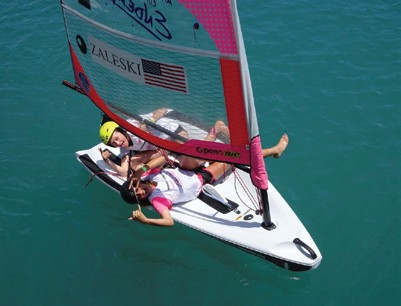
x,y
259,175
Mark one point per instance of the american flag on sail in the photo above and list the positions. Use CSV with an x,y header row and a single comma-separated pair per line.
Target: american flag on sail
x,y
164,75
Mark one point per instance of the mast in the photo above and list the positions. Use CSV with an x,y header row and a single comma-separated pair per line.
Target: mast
x,y
267,222
258,170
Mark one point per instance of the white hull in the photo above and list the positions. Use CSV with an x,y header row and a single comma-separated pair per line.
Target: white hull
x,y
240,227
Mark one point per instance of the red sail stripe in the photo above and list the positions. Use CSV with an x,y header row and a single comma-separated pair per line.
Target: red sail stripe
x,y
237,122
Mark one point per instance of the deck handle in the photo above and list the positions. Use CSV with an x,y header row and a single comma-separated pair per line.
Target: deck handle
x,y
305,246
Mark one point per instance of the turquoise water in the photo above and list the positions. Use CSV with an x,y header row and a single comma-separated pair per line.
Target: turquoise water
x,y
328,73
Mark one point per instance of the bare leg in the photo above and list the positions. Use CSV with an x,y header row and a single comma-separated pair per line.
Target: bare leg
x,y
184,134
217,169
190,163
218,128
278,149
142,158
222,129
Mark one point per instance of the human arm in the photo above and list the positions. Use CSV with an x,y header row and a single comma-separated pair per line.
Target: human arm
x,y
120,169
155,162
165,220
158,114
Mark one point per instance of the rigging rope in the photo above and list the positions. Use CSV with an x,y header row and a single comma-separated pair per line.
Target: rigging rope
x,y
237,178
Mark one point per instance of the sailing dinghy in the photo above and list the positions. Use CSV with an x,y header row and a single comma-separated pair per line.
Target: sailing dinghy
x,y
131,57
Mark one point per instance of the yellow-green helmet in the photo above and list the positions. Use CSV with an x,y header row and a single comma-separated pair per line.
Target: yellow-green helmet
x,y
106,130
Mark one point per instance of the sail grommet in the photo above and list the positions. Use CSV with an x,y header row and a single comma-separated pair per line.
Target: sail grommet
x,y
81,44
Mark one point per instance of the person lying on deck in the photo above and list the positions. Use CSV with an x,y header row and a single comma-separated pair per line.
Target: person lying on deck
x,y
113,135
163,188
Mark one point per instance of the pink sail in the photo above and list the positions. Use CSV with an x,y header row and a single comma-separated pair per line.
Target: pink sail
x,y
187,56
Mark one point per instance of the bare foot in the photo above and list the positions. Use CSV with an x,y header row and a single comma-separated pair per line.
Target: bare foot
x,y
218,128
221,128
280,147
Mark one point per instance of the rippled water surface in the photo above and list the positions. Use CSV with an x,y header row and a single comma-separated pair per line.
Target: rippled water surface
x,y
327,73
